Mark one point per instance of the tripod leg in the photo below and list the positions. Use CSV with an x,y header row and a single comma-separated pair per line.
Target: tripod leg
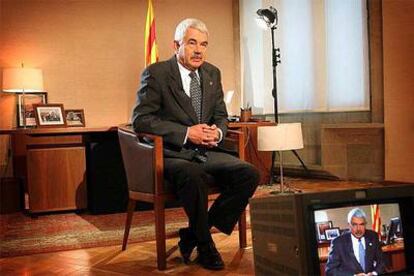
x,y
301,161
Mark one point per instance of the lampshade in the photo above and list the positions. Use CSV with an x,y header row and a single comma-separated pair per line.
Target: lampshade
x,y
17,80
280,137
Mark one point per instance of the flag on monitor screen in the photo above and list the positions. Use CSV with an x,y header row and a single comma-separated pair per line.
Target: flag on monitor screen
x,y
151,48
376,218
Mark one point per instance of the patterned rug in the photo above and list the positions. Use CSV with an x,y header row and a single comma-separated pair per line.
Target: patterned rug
x,y
22,235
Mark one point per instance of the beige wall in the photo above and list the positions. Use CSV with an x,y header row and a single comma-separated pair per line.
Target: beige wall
x,y
398,34
91,51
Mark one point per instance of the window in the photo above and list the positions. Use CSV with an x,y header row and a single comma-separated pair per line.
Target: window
x,y
324,54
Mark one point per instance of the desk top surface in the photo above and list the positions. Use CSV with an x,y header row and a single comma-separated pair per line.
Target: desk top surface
x,y
250,124
57,130
73,130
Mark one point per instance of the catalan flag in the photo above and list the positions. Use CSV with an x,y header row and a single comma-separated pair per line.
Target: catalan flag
x,y
376,218
151,49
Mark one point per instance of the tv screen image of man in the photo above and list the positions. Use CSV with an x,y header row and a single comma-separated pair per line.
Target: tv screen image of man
x,y
181,99
356,252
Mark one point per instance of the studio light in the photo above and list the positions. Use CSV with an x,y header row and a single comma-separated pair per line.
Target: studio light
x,y
267,16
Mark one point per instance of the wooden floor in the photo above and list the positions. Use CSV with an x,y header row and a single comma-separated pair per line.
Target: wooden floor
x,y
140,259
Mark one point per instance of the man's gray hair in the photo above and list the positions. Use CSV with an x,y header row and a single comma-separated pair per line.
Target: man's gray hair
x,y
357,213
189,23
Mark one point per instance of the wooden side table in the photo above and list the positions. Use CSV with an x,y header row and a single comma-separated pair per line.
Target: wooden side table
x,y
262,160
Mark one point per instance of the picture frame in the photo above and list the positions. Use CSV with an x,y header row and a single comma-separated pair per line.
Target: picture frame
x,y
50,115
321,227
29,100
332,233
75,118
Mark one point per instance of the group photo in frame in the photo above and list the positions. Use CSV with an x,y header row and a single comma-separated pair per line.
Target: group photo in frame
x,y
49,115
321,227
75,118
28,99
332,233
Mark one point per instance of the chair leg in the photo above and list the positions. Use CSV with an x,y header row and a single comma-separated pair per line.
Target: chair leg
x,y
159,213
130,213
242,230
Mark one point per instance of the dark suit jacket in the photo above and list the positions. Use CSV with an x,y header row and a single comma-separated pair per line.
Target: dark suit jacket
x,y
163,108
342,261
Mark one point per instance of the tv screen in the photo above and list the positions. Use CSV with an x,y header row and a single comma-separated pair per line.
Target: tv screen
x,y
293,234
382,228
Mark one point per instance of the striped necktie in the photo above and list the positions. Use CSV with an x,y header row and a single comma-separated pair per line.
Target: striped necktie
x,y
195,93
361,252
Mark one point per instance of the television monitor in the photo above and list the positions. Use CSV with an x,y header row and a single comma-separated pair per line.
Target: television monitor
x,y
286,239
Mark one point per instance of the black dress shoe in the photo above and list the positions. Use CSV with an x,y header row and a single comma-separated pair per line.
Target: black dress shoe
x,y
186,244
209,257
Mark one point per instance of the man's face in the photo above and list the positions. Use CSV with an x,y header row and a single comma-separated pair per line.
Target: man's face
x,y
191,53
357,227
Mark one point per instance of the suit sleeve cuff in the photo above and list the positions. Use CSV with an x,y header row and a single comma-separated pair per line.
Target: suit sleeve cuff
x,y
186,136
220,135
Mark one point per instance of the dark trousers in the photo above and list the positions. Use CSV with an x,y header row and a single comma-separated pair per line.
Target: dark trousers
x,y
237,180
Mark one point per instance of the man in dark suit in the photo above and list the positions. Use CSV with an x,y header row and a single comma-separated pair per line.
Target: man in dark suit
x,y
357,252
181,99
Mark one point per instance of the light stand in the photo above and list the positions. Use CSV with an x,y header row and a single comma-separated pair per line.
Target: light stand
x,y
270,18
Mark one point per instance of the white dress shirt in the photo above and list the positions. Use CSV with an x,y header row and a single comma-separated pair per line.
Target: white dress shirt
x,y
355,246
186,80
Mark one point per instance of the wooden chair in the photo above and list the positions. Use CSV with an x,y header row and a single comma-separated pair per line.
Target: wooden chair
x,y
144,170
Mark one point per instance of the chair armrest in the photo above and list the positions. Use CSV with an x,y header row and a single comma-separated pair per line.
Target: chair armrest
x,y
133,150
158,159
236,139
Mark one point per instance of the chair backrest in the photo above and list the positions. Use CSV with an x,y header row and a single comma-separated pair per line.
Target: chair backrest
x,y
138,161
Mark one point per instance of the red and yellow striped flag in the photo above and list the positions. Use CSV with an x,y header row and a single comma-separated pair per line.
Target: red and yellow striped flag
x,y
151,48
376,218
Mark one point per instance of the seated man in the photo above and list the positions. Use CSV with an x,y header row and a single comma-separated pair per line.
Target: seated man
x,y
357,252
181,99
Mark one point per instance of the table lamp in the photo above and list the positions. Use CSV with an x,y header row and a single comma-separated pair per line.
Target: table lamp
x,y
280,138
22,80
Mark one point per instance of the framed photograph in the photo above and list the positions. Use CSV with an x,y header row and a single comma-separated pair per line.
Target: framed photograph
x,y
332,233
29,99
321,227
49,115
75,118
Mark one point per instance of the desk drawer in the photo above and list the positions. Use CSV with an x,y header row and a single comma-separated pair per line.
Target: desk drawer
x,y
56,179
54,140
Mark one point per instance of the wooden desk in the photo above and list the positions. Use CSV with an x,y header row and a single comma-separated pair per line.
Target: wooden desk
x,y
260,159
52,164
394,253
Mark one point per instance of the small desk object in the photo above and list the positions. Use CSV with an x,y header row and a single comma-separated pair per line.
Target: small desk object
x,y
260,159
